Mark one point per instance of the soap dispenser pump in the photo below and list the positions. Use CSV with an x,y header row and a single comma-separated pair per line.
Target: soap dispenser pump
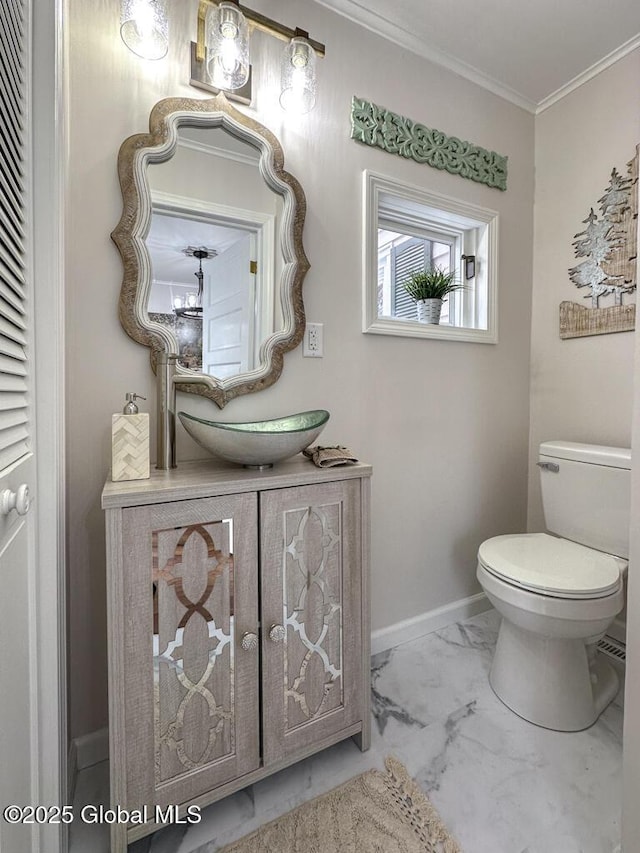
x,y
131,407
130,441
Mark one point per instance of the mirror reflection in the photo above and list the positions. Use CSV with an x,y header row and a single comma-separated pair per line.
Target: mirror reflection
x,y
214,245
211,222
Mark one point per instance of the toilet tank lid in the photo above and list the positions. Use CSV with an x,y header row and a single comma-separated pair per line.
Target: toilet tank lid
x,y
594,454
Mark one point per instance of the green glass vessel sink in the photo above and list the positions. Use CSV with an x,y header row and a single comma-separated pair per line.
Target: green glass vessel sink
x,y
257,444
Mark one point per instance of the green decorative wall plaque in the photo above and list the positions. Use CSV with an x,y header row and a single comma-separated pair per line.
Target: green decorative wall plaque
x,y
379,127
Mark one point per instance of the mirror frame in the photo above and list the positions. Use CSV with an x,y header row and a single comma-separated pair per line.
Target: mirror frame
x,y
157,146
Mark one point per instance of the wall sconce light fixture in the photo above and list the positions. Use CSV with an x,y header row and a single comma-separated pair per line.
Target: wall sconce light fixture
x,y
227,46
469,266
298,75
220,58
144,27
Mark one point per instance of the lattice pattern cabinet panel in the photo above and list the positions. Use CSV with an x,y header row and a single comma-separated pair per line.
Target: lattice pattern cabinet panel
x,y
191,690
312,613
193,648
311,587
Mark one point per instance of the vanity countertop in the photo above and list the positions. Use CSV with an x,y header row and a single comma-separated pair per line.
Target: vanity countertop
x,y
197,478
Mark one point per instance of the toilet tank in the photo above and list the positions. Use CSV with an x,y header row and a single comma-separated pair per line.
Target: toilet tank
x,y
586,494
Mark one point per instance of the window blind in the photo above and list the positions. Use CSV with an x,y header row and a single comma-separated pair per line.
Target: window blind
x,y
14,422
406,258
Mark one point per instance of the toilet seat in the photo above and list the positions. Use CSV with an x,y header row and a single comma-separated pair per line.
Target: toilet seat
x,y
548,565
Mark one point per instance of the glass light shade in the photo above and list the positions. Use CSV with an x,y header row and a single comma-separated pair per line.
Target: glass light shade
x,y
298,77
227,42
144,27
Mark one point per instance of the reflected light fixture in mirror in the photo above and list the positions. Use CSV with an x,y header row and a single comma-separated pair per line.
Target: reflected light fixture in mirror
x,y
227,42
192,306
144,27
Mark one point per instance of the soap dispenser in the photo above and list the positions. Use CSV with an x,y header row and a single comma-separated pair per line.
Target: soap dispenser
x,y
130,442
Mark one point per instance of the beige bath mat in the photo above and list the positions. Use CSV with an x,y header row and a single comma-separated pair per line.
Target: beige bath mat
x,y
374,813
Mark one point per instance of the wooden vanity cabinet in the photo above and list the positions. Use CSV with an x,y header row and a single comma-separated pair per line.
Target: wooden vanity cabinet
x,y
238,627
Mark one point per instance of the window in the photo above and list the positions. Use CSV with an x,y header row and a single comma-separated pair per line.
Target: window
x,y
408,229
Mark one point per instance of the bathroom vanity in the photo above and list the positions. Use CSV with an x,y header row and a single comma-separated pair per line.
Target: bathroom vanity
x,y
238,627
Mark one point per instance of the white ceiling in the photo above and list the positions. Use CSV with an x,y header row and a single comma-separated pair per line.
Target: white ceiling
x,y
170,235
529,51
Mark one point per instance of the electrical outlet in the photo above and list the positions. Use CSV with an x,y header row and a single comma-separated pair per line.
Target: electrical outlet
x,y
313,346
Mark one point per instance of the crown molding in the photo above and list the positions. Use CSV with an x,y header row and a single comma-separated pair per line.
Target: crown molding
x,y
381,26
372,21
224,153
602,65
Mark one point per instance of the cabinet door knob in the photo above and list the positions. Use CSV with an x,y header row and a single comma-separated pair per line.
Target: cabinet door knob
x,y
277,633
20,500
249,641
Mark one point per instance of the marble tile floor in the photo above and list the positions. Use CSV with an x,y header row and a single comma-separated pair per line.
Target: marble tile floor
x,y
501,784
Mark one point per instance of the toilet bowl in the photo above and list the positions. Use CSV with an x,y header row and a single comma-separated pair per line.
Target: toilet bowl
x,y
558,594
557,598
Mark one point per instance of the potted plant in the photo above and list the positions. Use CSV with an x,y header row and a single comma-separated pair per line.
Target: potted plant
x,y
428,288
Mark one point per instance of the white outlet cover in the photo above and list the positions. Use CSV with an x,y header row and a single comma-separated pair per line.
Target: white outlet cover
x,y
313,346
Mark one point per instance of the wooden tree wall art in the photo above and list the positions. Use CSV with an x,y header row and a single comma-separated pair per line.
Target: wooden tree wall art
x,y
607,253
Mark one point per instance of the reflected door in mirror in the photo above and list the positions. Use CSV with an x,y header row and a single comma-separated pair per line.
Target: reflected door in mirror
x,y
228,316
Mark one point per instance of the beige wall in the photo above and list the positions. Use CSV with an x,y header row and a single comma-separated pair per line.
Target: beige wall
x,y
444,424
581,389
631,756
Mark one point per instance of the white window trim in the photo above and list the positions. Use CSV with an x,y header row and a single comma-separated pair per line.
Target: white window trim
x,y
374,185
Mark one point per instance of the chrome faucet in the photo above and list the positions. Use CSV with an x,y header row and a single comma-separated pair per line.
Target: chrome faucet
x,y
166,379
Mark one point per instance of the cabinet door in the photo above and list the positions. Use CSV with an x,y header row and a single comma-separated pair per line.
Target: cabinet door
x,y
311,586
190,689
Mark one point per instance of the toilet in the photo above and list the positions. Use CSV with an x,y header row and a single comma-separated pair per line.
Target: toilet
x,y
557,594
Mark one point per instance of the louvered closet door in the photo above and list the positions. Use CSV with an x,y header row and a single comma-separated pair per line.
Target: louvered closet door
x,y
17,465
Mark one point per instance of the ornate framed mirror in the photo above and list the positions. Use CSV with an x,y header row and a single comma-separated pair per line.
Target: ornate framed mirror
x,y
211,241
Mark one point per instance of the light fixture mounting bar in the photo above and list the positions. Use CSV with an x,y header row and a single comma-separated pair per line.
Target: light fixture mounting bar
x,y
257,22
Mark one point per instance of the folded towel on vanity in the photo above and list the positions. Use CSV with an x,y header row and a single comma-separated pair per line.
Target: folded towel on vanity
x,y
327,457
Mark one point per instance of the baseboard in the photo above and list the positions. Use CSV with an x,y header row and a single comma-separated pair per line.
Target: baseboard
x,y
72,771
426,623
90,749
84,752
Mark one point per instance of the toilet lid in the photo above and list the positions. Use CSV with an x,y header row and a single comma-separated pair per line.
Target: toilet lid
x,y
543,563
